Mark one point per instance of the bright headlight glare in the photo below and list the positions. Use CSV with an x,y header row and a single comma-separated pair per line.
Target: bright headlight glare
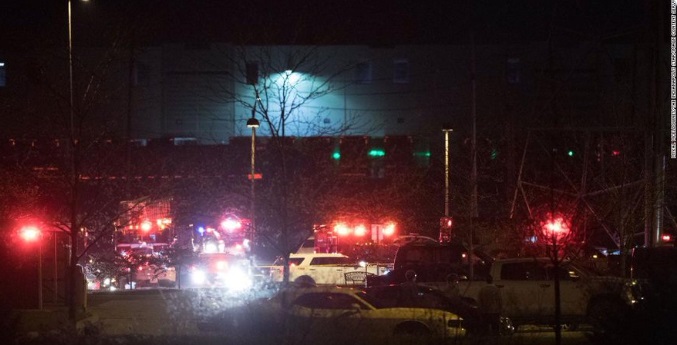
x,y
238,280
198,277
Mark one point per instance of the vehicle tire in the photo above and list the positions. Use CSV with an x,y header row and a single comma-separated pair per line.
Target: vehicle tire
x,y
411,329
609,320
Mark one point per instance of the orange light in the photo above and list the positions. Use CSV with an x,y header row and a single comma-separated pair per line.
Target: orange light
x,y
341,229
30,233
162,223
360,230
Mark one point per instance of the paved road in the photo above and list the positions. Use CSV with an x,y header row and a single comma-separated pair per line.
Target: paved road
x,y
176,312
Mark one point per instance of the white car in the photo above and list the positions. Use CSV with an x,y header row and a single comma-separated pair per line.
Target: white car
x,y
335,313
323,268
345,312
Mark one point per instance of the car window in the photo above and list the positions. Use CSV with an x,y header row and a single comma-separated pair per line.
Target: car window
x,y
523,271
428,300
387,297
514,271
535,271
564,273
331,261
292,261
327,301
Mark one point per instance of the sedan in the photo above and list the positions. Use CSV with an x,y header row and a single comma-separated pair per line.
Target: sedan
x,y
322,313
431,298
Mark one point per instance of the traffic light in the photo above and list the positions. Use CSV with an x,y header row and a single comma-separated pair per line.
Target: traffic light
x,y
374,153
571,153
446,222
494,154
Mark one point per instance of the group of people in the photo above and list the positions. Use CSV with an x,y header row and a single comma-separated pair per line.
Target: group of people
x,y
489,298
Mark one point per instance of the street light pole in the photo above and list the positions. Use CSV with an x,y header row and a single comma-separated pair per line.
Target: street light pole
x,y
56,272
40,304
446,131
253,123
70,71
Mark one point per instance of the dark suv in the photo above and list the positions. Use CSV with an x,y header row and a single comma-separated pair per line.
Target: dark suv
x,y
433,262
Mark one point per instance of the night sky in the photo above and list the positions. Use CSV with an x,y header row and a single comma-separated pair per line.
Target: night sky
x,y
375,22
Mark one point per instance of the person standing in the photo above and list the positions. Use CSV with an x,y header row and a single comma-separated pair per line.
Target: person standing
x,y
409,289
491,306
452,289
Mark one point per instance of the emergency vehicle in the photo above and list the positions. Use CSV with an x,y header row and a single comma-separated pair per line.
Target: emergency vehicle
x,y
223,255
144,232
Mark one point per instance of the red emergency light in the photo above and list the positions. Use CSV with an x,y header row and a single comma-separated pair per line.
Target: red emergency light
x,y
30,233
389,230
360,230
146,225
341,229
231,224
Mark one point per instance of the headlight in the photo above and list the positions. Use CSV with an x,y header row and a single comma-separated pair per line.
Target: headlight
x,y
198,277
237,279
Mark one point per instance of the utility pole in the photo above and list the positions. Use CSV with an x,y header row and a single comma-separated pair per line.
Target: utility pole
x,y
473,153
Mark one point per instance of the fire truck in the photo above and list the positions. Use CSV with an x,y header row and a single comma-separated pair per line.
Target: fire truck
x,y
222,254
144,232
344,237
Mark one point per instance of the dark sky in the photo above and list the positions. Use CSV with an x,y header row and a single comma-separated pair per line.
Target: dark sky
x,y
323,21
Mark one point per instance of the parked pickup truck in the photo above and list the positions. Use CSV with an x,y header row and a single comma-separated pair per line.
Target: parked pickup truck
x,y
527,284
326,269
528,292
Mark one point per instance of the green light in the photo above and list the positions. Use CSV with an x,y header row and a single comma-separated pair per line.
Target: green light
x,y
422,154
494,154
376,153
336,155
571,153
